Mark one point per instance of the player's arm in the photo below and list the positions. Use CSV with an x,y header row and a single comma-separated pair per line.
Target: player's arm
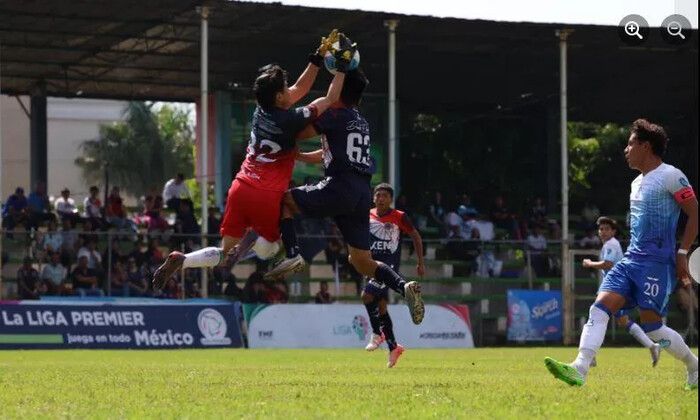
x,y
311,157
678,185
303,84
417,242
333,94
600,265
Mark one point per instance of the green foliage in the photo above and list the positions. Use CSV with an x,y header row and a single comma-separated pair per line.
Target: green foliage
x,y
496,383
195,188
141,152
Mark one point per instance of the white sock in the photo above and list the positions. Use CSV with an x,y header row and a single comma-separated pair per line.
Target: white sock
x,y
591,339
205,257
638,333
265,249
677,347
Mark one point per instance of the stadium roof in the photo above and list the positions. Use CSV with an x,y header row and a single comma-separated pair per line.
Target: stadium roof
x,y
135,49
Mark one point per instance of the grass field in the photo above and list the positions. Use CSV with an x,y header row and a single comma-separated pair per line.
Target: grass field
x,y
196,384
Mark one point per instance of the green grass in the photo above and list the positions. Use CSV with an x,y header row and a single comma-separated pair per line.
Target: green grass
x,y
196,384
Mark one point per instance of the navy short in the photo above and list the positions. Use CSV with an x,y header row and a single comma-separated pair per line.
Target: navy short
x,y
347,198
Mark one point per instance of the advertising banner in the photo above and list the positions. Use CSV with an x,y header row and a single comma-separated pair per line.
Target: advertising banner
x,y
38,325
347,326
534,315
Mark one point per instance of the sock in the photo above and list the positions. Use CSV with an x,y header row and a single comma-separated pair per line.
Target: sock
x,y
388,329
390,278
373,312
638,333
205,257
592,337
677,347
289,237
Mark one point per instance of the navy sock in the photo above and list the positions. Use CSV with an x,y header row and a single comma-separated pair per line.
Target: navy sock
x,y
289,237
388,330
373,312
390,278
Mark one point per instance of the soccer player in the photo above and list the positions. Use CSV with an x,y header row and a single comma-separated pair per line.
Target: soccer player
x,y
345,193
385,227
610,254
254,198
645,276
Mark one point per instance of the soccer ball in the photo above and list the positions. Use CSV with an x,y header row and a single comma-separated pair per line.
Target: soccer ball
x,y
329,59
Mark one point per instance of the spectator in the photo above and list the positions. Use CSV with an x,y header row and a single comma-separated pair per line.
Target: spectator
x,y
140,254
227,282
175,191
466,201
276,293
119,283
69,244
437,214
502,218
186,216
254,290
39,206
54,275
136,279
537,244
153,212
323,296
92,209
116,213
114,252
172,289
155,255
687,301
28,282
92,254
538,213
65,207
52,240
402,203
589,216
16,211
213,223
457,224
85,282
591,240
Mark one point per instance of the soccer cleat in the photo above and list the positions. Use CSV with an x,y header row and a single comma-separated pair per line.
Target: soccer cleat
x,y
167,269
414,301
394,355
594,363
564,372
288,265
692,380
374,342
655,351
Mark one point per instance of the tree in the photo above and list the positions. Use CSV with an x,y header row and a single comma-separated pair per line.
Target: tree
x,y
141,152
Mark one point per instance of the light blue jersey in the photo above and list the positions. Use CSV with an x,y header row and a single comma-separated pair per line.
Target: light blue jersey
x,y
611,251
654,211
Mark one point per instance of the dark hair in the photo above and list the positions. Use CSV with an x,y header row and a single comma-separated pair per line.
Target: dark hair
x,y
651,133
353,87
607,221
180,175
385,187
94,188
268,84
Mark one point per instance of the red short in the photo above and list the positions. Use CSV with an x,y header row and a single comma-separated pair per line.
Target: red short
x,y
247,206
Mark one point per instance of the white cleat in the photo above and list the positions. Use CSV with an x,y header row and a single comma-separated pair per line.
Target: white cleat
x,y
288,265
655,351
374,342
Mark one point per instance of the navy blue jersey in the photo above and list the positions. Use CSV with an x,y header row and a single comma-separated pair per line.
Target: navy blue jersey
x,y
271,150
345,141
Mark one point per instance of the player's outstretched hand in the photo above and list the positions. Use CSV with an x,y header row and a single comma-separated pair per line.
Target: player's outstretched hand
x,y
587,262
420,270
326,44
345,52
682,271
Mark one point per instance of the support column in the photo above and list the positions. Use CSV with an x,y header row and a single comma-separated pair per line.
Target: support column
x,y
204,46
38,150
224,171
393,170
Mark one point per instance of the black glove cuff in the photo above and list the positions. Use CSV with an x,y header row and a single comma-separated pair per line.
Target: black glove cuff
x,y
315,59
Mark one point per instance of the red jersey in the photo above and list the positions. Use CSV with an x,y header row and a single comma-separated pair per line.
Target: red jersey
x,y
272,147
385,236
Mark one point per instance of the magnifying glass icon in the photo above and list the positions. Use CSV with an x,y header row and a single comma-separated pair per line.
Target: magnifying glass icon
x,y
632,29
674,28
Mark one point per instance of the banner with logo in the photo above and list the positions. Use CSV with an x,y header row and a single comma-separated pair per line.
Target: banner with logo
x,y
534,315
347,326
38,325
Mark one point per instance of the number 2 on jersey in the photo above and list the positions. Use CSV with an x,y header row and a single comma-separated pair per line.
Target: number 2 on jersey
x,y
260,157
358,148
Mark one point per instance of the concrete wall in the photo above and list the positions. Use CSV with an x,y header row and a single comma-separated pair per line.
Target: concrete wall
x,y
70,122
